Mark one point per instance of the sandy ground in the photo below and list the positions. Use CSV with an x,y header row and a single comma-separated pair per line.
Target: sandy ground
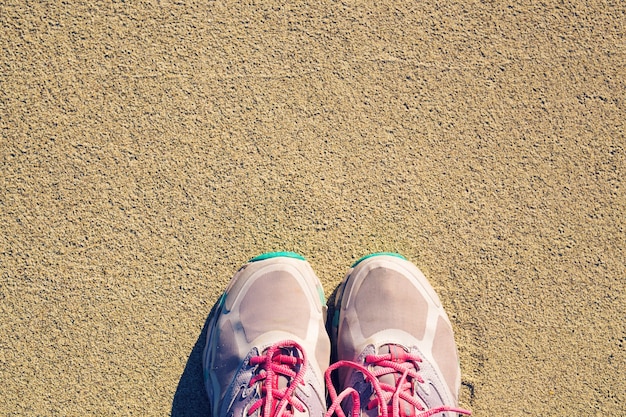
x,y
148,149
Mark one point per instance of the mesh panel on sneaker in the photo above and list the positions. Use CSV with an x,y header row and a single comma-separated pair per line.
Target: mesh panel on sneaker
x,y
445,354
261,310
386,300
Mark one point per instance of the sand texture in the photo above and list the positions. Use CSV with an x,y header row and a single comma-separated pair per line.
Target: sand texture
x,y
149,148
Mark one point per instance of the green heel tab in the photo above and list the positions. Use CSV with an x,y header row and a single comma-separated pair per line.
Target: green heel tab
x,y
269,255
371,255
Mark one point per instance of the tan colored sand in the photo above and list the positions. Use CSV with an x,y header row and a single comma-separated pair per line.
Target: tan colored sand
x,y
147,149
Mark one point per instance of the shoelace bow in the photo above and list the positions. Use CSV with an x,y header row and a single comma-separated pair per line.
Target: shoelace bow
x,y
273,364
387,397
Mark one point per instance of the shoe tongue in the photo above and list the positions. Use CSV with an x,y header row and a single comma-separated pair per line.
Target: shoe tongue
x,y
397,351
283,381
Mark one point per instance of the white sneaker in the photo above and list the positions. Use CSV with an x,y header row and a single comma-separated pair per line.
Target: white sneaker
x,y
396,353
267,346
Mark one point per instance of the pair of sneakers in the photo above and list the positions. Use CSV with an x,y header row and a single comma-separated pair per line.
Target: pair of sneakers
x,y
268,352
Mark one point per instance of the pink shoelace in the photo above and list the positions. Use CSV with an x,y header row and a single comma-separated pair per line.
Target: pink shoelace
x,y
404,367
276,401
274,363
